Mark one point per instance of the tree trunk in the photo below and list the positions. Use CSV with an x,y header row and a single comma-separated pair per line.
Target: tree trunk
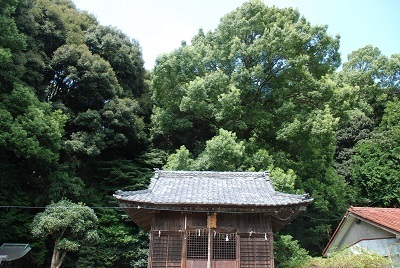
x,y
54,258
58,257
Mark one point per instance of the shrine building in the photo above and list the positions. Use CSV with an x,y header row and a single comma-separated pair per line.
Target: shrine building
x,y
211,219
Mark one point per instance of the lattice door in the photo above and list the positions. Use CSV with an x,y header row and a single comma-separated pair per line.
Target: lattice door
x,y
223,249
224,246
167,250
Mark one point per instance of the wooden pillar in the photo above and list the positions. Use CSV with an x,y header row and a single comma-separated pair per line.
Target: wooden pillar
x,y
209,248
184,243
211,223
271,240
149,259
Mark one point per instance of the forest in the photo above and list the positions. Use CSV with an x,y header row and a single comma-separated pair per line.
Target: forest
x,y
80,117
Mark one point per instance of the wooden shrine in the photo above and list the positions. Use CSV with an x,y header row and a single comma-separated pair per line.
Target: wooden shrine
x,y
211,219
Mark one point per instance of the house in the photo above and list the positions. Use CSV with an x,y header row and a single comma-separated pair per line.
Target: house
x,y
211,219
371,229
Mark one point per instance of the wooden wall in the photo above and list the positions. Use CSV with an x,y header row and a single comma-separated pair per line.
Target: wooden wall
x,y
171,230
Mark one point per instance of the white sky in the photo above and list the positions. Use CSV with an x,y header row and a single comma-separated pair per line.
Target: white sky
x,y
161,25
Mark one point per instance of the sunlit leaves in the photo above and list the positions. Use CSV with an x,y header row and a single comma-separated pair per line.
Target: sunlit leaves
x,y
284,181
223,153
30,129
180,160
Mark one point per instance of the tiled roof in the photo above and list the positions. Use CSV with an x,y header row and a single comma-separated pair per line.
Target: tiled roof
x,y
386,217
212,188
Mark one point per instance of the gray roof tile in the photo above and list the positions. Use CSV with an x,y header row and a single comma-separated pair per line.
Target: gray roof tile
x,y
212,188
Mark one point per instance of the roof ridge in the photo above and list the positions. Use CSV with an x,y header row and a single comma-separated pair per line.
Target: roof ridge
x,y
244,174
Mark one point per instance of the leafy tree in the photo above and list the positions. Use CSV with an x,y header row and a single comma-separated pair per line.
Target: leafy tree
x,y
70,225
288,252
121,243
64,183
30,141
284,181
54,24
375,166
86,128
257,59
10,38
29,128
223,153
274,70
117,126
180,160
81,80
129,243
260,160
123,54
311,138
357,128
376,75
48,25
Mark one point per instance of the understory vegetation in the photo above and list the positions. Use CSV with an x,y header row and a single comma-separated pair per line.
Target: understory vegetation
x,y
347,259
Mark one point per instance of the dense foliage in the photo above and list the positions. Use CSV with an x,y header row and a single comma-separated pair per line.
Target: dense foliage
x,y
80,118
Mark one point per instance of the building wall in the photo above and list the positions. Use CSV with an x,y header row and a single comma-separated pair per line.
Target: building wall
x,y
235,240
360,230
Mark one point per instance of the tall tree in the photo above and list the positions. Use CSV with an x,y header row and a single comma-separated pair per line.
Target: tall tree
x,y
272,68
100,122
29,128
48,25
270,55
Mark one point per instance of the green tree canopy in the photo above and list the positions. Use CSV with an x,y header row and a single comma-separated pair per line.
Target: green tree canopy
x,y
123,54
29,128
81,80
70,225
375,74
257,59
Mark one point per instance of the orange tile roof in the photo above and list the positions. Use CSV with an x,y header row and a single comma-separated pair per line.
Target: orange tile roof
x,y
387,217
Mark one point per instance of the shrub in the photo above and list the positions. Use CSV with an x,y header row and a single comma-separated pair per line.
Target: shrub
x,y
348,259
